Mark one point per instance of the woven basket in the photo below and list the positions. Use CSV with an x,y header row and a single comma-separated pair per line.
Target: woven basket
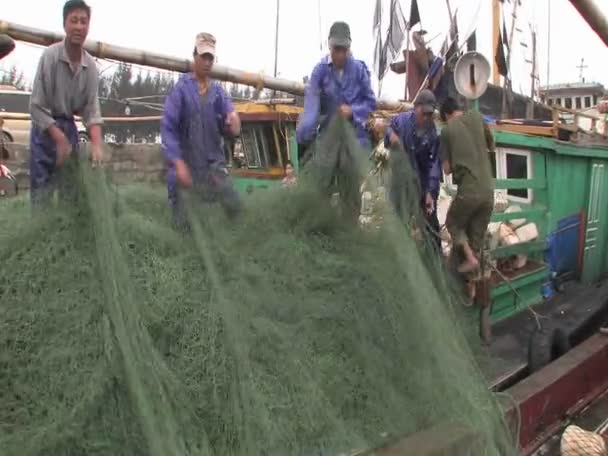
x,y
578,442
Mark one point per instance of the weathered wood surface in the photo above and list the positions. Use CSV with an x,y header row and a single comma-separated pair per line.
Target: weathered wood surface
x,y
127,163
138,57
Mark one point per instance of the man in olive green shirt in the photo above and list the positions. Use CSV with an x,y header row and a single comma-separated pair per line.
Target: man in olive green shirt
x,y
464,145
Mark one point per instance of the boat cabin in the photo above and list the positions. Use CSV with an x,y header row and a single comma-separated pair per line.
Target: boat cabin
x,y
561,187
267,142
554,196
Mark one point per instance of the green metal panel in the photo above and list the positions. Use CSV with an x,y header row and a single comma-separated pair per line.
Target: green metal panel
x,y
595,229
249,184
507,302
559,147
525,290
567,179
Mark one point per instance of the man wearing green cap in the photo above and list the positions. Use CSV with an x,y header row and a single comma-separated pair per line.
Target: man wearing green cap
x,y
339,84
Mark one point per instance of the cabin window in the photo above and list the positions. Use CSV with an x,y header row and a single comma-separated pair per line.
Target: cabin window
x,y
587,102
568,103
448,181
515,164
579,104
550,101
259,145
558,101
250,148
595,100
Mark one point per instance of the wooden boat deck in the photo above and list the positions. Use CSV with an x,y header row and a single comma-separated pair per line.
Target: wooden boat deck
x,y
580,309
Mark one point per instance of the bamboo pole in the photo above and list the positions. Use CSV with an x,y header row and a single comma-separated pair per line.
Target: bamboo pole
x,y
495,36
594,17
138,57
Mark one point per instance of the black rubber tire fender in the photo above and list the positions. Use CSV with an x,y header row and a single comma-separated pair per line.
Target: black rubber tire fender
x,y
546,345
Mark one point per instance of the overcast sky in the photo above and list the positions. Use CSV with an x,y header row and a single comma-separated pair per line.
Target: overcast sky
x,y
245,32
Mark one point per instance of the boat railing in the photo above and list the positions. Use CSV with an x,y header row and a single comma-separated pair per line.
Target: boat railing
x,y
532,212
577,115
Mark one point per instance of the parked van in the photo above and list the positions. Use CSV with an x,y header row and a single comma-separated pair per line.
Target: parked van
x,y
16,101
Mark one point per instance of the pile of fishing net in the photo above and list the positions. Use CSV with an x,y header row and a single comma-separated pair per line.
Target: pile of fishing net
x,y
288,332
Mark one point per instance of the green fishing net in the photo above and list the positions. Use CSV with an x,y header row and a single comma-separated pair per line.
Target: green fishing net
x,y
290,331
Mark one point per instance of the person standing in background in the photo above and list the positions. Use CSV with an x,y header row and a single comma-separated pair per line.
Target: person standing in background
x,y
339,84
415,131
65,86
290,178
198,113
466,142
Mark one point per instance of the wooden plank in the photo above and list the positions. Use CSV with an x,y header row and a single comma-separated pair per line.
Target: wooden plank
x,y
560,390
271,174
541,402
524,129
531,213
445,439
267,116
516,184
520,280
519,249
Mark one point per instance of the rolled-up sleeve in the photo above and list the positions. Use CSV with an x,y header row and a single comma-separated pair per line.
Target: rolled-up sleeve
x,y
309,119
40,107
223,107
394,127
92,110
169,125
365,102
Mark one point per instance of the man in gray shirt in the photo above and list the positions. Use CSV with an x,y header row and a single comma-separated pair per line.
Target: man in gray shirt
x,y
65,86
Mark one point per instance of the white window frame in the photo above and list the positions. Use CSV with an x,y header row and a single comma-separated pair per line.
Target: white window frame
x,y
501,170
501,173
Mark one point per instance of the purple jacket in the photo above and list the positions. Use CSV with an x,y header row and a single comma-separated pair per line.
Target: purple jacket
x,y
423,150
192,127
327,91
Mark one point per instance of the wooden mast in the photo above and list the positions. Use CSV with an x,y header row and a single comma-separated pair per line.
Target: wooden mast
x,y
495,36
128,55
534,78
507,82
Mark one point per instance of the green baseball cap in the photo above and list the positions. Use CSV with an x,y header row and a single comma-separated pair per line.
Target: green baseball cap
x,y
339,35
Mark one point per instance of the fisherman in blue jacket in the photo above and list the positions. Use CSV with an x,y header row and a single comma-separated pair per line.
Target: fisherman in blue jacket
x,y
198,113
416,131
339,83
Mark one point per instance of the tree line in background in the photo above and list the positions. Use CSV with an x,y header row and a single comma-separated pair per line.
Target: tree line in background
x,y
125,91
128,93
14,77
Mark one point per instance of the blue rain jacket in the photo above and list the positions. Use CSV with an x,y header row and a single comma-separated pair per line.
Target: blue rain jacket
x,y
423,150
328,90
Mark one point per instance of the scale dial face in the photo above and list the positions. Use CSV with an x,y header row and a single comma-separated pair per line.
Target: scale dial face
x,y
471,75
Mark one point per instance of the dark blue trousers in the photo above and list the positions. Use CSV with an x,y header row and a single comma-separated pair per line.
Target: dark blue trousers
x,y
43,162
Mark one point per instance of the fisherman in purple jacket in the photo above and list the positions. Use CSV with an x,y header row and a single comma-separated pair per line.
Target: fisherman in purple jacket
x,y
339,83
416,131
198,114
